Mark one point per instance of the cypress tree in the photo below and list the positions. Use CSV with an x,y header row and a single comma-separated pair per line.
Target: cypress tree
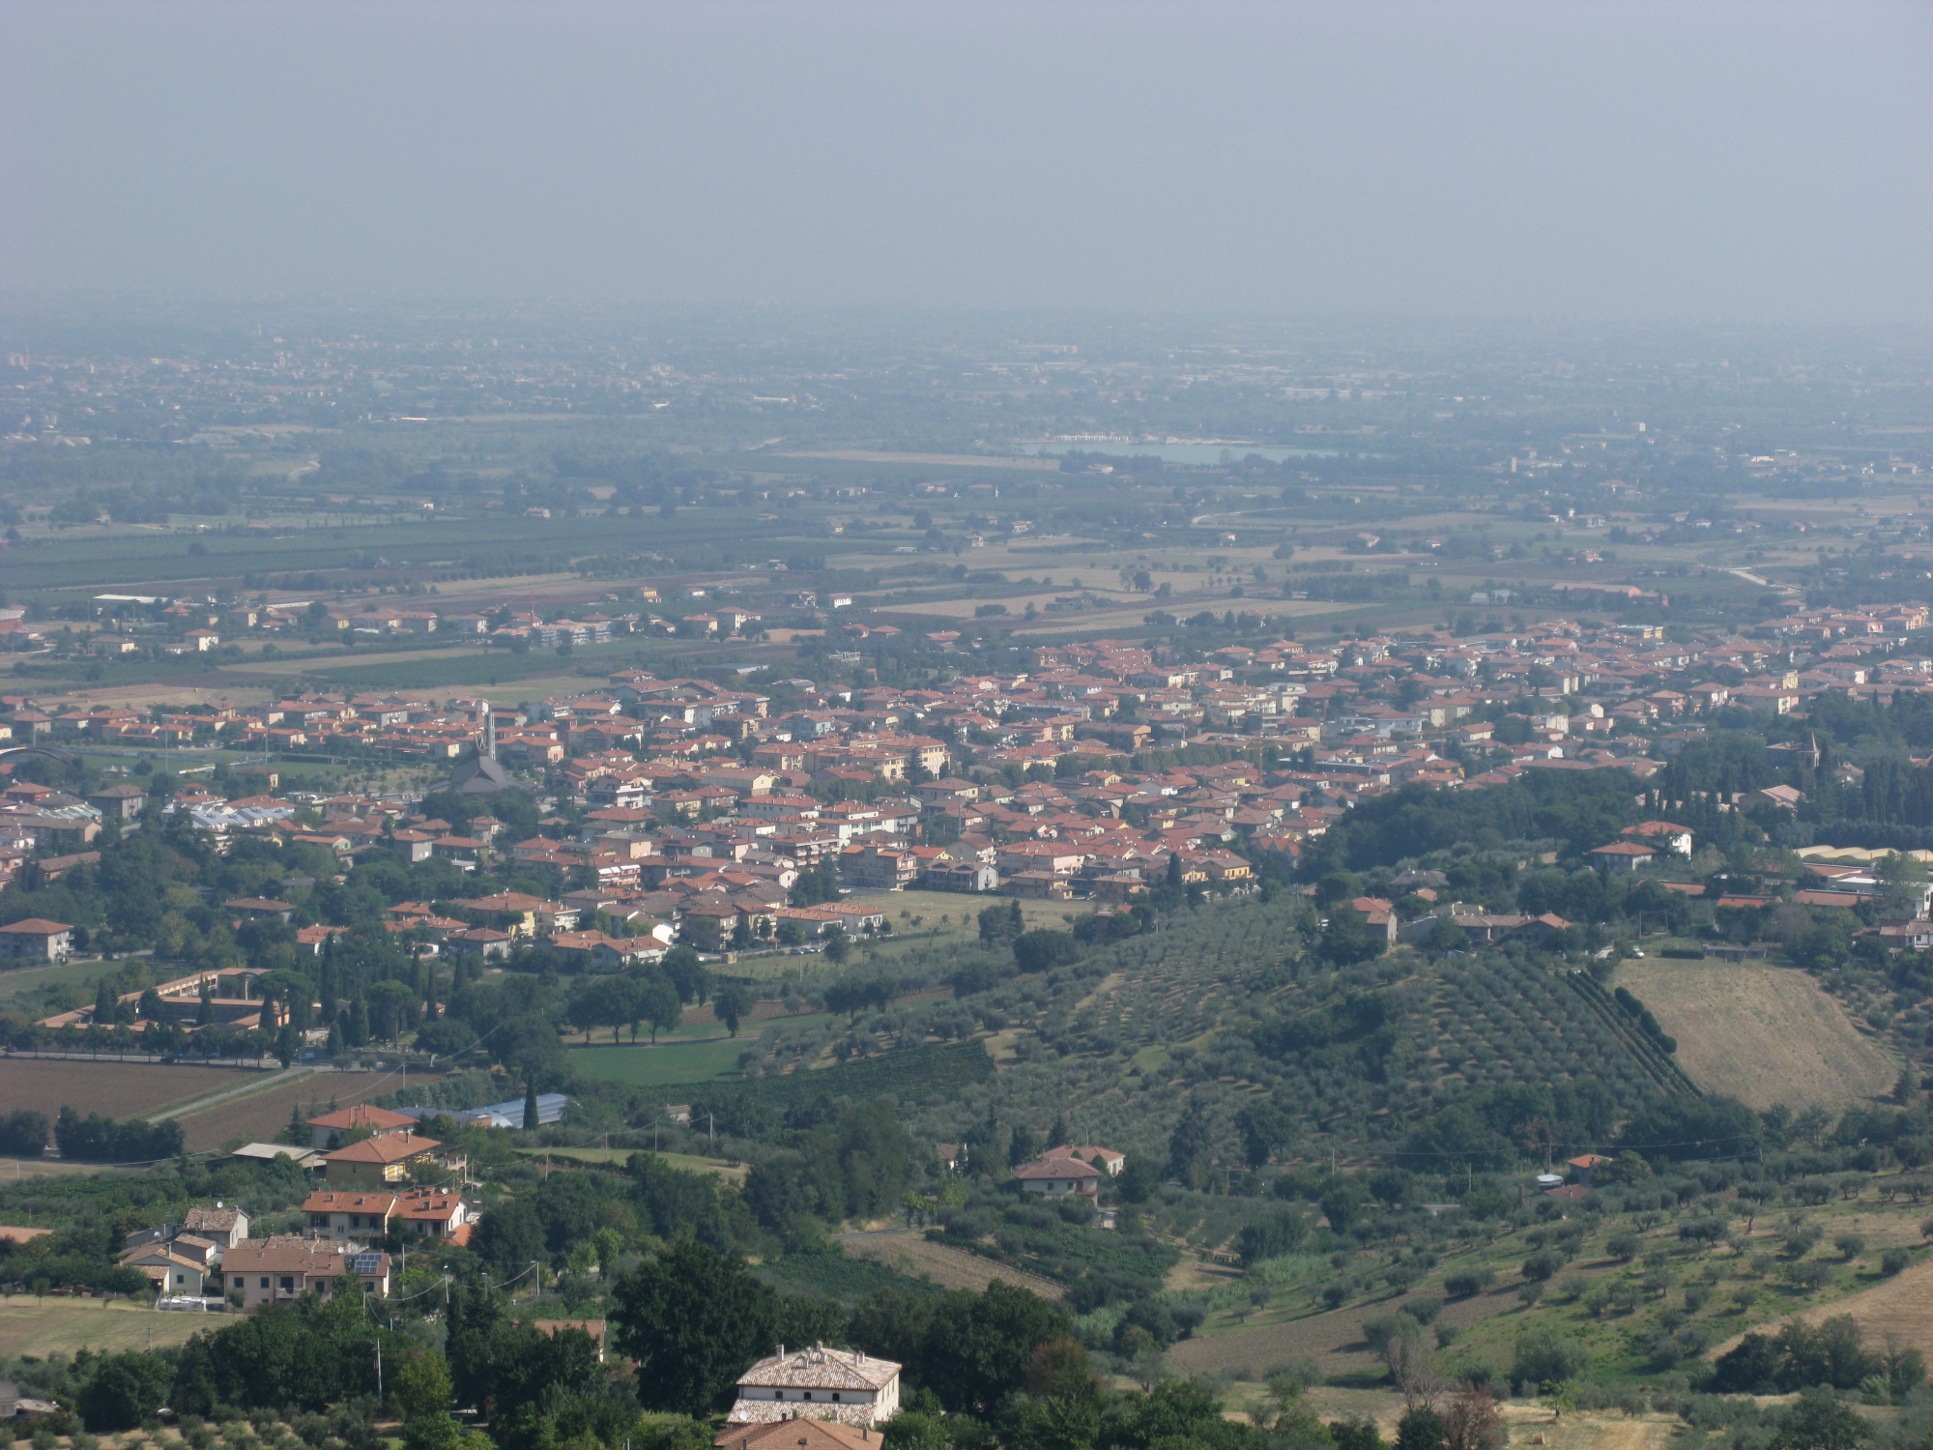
x,y
530,1105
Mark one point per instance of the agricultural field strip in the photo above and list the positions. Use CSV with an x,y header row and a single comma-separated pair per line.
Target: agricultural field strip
x,y
120,1089
1762,1034
945,1264
190,1106
261,1116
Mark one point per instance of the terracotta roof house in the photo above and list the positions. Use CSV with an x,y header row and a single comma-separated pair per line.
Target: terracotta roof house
x,y
1583,1166
220,1226
275,1270
792,1434
1058,1174
848,1386
345,1214
171,1272
1105,1159
36,939
377,1162
1621,856
329,1130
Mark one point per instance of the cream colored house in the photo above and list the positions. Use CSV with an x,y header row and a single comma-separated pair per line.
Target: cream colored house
x,y
818,1384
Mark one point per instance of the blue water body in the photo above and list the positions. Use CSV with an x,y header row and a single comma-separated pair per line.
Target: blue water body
x,y
1208,454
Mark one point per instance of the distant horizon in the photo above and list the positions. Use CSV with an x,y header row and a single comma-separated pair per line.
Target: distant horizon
x,y
74,301
1730,162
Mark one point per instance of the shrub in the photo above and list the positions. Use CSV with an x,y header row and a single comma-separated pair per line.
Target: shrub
x,y
23,1134
1542,1265
1421,1429
1850,1246
1895,1261
1466,1282
1543,1357
1808,1276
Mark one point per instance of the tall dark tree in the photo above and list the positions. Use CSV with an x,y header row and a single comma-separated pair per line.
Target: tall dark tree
x,y
694,1320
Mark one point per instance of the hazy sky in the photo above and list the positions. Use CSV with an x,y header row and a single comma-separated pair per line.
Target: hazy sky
x,y
1756,162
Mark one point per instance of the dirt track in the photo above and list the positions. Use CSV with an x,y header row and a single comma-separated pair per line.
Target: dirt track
x,y
259,1117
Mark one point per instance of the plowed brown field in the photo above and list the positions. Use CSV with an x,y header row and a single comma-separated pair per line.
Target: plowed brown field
x,y
119,1089
259,1117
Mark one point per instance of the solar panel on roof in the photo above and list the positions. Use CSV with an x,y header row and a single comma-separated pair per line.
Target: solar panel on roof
x,y
365,1263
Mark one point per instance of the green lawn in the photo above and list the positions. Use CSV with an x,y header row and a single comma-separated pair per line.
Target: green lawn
x,y
673,1063
690,1163
668,1065
62,1326
962,912
60,975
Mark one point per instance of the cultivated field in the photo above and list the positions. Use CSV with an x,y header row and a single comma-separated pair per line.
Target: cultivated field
x,y
1899,1310
1761,1034
258,1117
62,1326
119,1089
13,1170
1332,1340
1527,1424
917,1257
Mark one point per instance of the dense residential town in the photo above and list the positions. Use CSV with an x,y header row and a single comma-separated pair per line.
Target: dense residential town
x,y
695,808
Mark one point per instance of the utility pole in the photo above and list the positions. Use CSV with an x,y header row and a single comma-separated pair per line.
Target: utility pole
x,y
379,1369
